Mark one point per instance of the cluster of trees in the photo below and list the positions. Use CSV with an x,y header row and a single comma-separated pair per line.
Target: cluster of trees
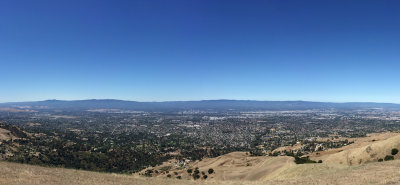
x,y
256,152
298,159
390,157
119,161
14,131
303,160
118,155
196,173
83,155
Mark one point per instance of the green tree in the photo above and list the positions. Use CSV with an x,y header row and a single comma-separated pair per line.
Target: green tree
x,y
395,151
389,157
196,176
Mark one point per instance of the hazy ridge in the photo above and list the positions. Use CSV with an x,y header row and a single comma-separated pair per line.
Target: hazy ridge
x,y
241,105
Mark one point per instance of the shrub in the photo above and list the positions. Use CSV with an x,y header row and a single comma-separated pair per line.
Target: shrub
x,y
166,168
179,177
210,171
189,170
169,175
389,157
319,161
205,176
302,160
380,160
196,176
395,151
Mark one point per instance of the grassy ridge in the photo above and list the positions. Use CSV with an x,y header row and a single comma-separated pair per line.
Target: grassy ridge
x,y
372,173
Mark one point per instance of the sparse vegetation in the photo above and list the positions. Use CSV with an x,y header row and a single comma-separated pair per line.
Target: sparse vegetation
x,y
166,168
303,160
131,142
388,158
256,152
196,176
12,172
395,151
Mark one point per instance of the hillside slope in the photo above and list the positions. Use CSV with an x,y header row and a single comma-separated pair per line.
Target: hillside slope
x,y
240,168
371,173
232,166
368,149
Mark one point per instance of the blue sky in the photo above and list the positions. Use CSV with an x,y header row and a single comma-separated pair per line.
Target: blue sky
x,y
317,50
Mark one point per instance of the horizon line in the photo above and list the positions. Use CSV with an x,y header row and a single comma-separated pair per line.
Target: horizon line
x,y
197,100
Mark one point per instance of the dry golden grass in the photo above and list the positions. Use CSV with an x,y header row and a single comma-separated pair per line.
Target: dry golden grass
x,y
234,166
364,150
372,173
6,135
239,168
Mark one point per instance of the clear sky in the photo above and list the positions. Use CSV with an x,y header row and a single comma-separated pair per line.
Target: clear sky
x,y
321,50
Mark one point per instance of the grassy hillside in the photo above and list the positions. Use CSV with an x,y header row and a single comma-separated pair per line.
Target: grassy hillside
x,y
232,166
240,168
364,150
372,173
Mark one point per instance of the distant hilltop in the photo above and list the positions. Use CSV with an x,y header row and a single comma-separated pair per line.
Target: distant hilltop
x,y
206,105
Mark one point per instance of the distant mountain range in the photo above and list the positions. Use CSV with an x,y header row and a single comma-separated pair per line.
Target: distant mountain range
x,y
238,105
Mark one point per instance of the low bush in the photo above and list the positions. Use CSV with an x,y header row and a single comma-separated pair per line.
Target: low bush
x,y
395,151
389,157
303,160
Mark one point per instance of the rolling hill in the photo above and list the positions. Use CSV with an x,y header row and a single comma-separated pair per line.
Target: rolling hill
x,y
387,172
364,150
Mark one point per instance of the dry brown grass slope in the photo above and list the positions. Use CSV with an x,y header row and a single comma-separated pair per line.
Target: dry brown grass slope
x,y
371,173
6,135
232,166
364,151
239,168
